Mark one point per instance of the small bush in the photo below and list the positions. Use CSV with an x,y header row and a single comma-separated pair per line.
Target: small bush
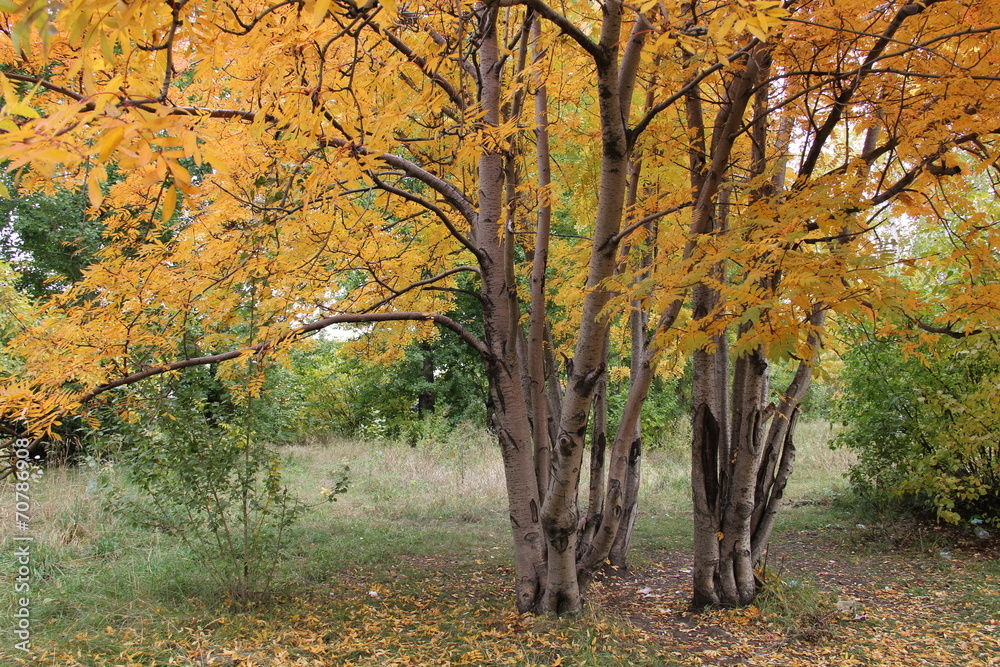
x,y
218,487
924,423
793,604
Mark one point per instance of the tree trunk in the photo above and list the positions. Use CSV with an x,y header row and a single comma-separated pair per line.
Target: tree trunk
x,y
500,319
560,512
425,402
618,556
633,472
598,455
543,405
727,440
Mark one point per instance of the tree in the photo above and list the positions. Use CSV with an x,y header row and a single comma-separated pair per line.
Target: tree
x,y
357,159
789,243
15,311
50,240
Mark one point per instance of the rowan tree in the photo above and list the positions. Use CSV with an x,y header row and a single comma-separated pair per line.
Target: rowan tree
x,y
344,163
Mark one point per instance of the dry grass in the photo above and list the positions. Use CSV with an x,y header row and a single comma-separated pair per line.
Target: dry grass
x,y
397,479
819,470
461,478
67,512
438,504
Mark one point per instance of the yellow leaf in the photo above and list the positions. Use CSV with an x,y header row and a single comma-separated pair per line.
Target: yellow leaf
x,y
320,10
169,203
20,37
6,89
109,142
754,28
190,140
180,174
145,155
22,109
107,48
391,6
94,191
79,26
4,192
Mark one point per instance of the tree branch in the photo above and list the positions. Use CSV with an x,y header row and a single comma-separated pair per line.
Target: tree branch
x,y
426,281
452,194
436,210
824,132
454,95
617,238
261,348
656,109
568,28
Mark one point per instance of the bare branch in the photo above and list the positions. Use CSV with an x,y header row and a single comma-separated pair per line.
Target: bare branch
x,y
425,282
568,28
247,27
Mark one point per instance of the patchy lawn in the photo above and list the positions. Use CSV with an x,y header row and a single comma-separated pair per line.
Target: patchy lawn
x,y
836,598
412,567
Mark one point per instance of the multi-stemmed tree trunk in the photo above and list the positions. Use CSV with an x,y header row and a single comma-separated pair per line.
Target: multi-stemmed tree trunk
x,y
743,448
741,459
328,151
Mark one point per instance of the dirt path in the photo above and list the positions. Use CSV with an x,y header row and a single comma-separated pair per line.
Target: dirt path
x,y
845,598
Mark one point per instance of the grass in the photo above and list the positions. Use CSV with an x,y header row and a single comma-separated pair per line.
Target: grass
x,y
819,470
411,566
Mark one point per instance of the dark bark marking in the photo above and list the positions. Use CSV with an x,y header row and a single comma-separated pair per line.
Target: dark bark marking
x,y
565,445
635,451
706,433
529,598
534,511
600,446
584,384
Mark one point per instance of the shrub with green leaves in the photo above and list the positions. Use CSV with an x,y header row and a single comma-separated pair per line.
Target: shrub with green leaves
x,y
217,485
667,406
925,423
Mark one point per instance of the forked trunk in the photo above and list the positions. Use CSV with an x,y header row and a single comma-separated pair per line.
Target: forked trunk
x,y
503,367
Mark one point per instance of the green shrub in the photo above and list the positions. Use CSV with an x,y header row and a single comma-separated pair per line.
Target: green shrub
x,y
925,424
218,487
342,393
667,405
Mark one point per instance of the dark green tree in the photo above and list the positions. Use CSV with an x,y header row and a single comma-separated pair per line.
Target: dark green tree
x,y
48,239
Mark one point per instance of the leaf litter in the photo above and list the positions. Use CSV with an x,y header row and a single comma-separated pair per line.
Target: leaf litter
x,y
873,607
